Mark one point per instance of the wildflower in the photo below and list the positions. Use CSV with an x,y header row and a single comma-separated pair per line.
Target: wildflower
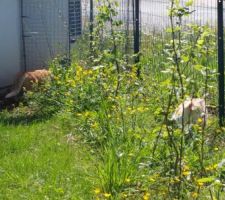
x,y
107,195
200,184
176,179
215,166
127,180
97,191
209,168
140,109
95,125
151,179
146,196
194,195
86,114
216,149
199,120
186,173
186,168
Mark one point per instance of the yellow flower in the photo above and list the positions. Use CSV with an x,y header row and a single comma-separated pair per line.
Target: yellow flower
x,y
216,149
194,195
151,179
199,120
146,196
125,195
209,168
127,180
97,191
176,179
186,173
140,109
86,114
95,125
107,195
215,166
200,184
186,168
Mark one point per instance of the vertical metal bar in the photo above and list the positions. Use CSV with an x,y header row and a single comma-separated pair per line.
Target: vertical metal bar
x,y
137,35
69,34
91,22
23,36
220,61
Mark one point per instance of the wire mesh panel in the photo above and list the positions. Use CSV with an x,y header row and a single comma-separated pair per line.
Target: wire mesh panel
x,y
46,32
75,23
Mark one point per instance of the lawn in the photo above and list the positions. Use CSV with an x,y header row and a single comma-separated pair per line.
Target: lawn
x,y
44,160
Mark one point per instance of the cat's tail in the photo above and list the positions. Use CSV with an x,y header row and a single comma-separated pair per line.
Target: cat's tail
x,y
17,87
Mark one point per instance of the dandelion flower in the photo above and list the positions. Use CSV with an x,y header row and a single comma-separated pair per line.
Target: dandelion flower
x,y
97,191
146,196
127,180
107,195
194,195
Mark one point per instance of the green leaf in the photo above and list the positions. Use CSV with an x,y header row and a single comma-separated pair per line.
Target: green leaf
x,y
185,58
189,3
206,180
200,42
198,67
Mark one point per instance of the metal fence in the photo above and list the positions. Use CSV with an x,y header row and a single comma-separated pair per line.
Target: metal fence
x,y
143,18
153,16
49,29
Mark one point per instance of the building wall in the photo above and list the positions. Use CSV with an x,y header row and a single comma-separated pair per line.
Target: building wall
x,y
10,41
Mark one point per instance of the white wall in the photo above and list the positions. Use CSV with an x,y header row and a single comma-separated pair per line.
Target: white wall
x,y
10,38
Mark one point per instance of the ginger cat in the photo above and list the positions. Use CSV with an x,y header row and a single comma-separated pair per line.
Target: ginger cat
x,y
26,80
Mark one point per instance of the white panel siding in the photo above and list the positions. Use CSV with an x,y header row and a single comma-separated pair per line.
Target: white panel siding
x,y
10,38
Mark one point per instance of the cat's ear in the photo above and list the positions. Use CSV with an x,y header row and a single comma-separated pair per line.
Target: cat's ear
x,y
191,106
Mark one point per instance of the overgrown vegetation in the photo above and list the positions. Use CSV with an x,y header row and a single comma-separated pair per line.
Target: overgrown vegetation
x,y
141,153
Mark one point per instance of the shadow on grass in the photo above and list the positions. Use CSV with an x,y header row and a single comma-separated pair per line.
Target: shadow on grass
x,y
11,113
19,117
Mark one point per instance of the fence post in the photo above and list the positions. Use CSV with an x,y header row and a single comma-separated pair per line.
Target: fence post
x,y
220,61
137,34
23,36
91,22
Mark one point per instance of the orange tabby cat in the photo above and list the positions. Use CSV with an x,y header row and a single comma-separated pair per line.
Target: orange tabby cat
x,y
26,80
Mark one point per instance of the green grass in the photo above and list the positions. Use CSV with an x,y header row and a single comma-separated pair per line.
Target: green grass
x,y
38,162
